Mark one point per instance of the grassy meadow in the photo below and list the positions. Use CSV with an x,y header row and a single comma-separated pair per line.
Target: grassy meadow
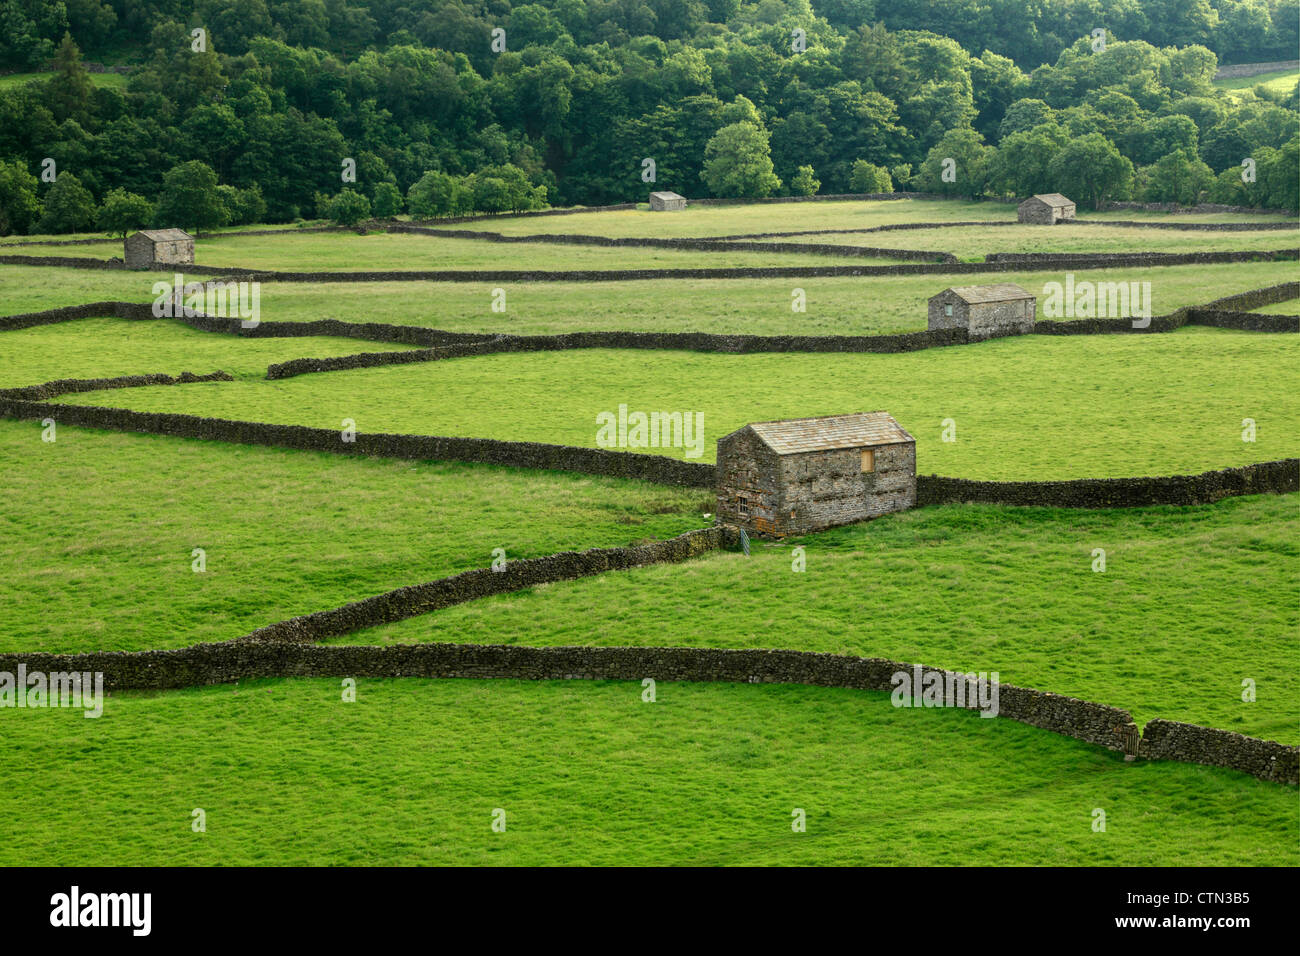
x,y
1026,407
99,528
747,219
103,348
97,534
849,305
1289,307
382,251
588,774
973,588
972,243
1279,81
108,80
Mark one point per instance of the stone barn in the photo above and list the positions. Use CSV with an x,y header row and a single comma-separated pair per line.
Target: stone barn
x,y
158,247
805,474
985,311
665,201
1045,209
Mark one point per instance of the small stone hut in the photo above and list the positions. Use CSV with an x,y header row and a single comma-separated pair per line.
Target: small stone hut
x,y
1045,209
158,247
805,474
985,311
665,201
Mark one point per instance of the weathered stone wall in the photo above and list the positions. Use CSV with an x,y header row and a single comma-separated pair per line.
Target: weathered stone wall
x,y
1244,321
1275,477
245,660
595,461
72,386
203,664
407,602
1266,759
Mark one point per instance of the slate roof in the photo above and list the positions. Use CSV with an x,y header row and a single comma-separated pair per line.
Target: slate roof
x,y
164,235
1053,199
863,429
666,196
997,292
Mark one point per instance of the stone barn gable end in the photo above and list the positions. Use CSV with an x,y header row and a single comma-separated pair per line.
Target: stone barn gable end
x,y
156,247
805,474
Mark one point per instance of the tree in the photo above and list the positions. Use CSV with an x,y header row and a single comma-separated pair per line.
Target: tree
x,y
19,205
438,194
805,182
190,198
1179,177
244,205
123,212
957,165
69,90
1020,165
1024,115
870,178
1092,168
69,206
349,207
1278,177
1160,136
738,162
388,201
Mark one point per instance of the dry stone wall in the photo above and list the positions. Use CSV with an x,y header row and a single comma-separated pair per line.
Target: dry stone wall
x,y
1271,477
708,245
595,461
203,664
1266,759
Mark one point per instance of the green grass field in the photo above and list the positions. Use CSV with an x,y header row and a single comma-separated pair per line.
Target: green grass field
x,y
1289,307
1026,407
972,243
97,535
974,588
99,528
875,305
379,251
102,348
588,774
1280,81
794,217
110,80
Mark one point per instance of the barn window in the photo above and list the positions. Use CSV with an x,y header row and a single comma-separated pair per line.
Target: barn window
x,y
742,508
947,309
868,460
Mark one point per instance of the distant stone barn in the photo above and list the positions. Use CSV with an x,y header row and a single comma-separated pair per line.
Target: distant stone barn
x,y
666,201
805,474
1045,209
158,247
985,311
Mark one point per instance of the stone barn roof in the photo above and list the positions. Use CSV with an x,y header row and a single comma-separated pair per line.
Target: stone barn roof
x,y
164,235
797,435
997,292
1053,199
666,196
